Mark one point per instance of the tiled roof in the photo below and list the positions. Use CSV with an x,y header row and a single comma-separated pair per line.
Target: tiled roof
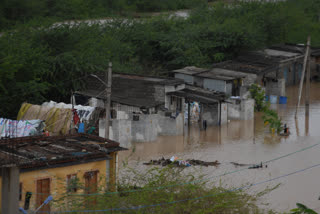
x,y
54,151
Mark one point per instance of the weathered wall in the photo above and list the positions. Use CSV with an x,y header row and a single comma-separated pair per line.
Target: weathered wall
x,y
216,85
198,81
224,113
159,93
211,114
170,126
145,129
234,109
229,89
119,131
247,109
240,109
58,178
277,88
187,78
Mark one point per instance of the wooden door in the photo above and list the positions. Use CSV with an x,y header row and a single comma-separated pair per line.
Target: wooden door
x,y
43,191
91,186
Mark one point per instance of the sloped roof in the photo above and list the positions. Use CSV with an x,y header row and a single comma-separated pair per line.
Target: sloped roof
x,y
193,93
133,90
55,151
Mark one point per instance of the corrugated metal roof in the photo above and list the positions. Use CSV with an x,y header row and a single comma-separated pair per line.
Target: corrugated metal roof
x,y
193,93
41,151
132,90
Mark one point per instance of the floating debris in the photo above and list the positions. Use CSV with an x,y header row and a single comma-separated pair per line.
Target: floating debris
x,y
240,164
175,161
258,166
251,166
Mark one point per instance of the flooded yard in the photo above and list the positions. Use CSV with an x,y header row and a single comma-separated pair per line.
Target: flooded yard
x,y
249,142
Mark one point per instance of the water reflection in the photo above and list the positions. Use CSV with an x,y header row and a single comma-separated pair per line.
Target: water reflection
x,y
251,142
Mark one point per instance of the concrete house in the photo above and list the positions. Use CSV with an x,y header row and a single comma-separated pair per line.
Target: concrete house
x,y
141,107
226,81
40,166
269,67
212,105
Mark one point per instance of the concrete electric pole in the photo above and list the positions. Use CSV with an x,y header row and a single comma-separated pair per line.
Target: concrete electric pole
x,y
303,72
108,80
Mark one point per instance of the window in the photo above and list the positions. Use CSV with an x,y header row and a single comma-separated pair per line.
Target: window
x,y
20,191
171,100
179,104
72,183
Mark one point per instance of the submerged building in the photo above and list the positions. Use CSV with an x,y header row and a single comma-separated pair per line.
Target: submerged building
x,y
36,167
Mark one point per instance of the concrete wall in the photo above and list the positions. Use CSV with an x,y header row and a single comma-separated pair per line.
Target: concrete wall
x,y
229,89
170,126
224,113
240,109
159,93
187,78
146,129
58,178
277,88
198,81
216,85
211,114
249,79
247,109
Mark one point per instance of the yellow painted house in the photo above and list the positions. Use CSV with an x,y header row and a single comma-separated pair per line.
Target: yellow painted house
x,y
60,166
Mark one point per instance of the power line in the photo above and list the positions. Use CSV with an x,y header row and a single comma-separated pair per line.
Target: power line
x,y
196,181
192,199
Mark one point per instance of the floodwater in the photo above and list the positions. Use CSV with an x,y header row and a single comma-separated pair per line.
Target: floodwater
x,y
249,142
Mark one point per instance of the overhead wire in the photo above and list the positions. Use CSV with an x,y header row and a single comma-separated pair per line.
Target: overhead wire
x,y
192,199
197,181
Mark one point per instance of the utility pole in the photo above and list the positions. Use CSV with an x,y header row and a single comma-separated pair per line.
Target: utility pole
x,y
108,80
303,72
308,82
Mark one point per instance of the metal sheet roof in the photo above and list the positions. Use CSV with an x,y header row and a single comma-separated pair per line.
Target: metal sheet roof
x,y
41,151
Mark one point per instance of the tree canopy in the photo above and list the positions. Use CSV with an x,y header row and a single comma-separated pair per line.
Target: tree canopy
x,y
47,62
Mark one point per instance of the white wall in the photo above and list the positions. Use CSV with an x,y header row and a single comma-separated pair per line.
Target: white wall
x,y
216,85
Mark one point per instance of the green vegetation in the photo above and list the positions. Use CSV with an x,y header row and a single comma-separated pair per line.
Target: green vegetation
x,y
302,209
13,12
270,117
39,62
257,93
139,189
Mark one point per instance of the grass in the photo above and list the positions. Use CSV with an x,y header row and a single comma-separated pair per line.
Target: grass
x,y
205,197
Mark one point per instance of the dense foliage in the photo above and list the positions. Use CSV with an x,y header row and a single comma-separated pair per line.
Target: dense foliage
x,y
144,192
43,63
13,12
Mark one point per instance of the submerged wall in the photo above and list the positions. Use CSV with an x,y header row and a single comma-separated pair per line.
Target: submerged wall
x,y
277,88
142,127
241,109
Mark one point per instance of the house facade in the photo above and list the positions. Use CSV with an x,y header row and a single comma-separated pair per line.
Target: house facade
x,y
231,83
141,107
59,166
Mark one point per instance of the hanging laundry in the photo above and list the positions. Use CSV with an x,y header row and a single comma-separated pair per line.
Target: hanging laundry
x,y
81,128
76,117
20,128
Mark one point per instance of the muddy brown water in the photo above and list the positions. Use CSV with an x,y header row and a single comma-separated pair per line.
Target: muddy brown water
x,y
249,142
